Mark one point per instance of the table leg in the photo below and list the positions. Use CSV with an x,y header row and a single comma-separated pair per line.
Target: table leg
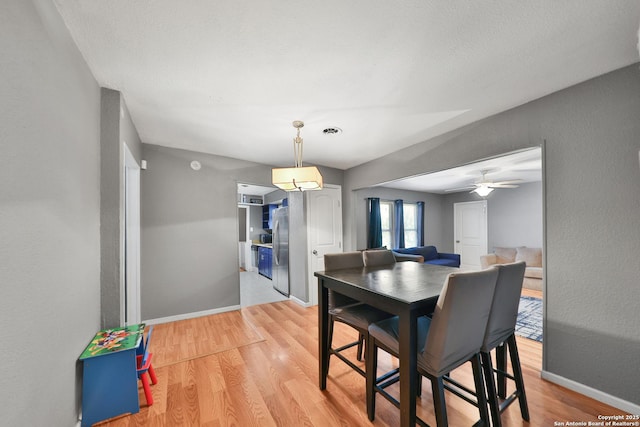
x,y
408,368
323,331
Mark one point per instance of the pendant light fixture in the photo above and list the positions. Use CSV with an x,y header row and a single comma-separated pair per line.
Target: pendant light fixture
x,y
297,178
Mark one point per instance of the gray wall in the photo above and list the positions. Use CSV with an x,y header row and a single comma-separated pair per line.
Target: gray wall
x,y
514,216
591,199
255,221
189,256
49,215
116,129
433,212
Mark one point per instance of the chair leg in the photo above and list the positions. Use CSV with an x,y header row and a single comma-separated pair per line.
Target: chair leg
x,y
360,346
147,389
480,393
517,373
371,360
152,374
494,406
439,405
419,385
501,365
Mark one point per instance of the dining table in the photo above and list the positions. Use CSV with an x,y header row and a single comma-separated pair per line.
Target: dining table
x,y
405,289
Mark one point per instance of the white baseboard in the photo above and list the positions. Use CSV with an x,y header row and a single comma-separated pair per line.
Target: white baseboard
x,y
598,395
299,301
191,315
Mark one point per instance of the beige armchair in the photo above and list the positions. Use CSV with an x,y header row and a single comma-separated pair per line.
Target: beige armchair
x,y
531,256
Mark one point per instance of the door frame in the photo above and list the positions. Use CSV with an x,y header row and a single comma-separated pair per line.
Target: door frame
x,y
130,311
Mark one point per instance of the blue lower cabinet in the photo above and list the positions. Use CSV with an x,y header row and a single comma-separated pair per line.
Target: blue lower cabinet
x,y
264,262
269,263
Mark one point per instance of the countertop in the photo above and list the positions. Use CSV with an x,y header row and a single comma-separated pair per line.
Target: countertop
x,y
264,245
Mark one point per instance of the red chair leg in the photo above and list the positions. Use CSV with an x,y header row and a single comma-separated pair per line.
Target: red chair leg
x,y
147,389
152,374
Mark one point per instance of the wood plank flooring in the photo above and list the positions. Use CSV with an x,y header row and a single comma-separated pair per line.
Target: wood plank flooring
x,y
274,382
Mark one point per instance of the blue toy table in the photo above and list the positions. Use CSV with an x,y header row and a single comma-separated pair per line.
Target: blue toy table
x,y
109,378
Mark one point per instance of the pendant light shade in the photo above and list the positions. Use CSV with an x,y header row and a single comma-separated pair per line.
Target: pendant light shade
x,y
297,178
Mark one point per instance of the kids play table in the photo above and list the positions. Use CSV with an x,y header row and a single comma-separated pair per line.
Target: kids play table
x,y
109,377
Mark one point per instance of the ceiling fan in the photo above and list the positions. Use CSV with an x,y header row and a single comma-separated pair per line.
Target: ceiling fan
x,y
485,186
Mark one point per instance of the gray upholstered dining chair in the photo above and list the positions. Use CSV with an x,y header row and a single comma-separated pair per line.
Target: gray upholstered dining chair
x,y
452,337
378,257
349,311
501,332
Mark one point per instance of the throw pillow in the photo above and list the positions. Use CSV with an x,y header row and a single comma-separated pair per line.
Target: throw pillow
x,y
531,256
505,255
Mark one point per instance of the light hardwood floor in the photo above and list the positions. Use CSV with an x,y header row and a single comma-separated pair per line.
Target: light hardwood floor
x,y
274,382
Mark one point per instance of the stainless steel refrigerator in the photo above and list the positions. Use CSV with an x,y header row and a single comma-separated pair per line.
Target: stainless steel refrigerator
x,y
280,257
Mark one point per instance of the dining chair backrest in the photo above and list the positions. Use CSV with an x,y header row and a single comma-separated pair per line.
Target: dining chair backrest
x,y
378,257
342,260
339,261
504,309
459,321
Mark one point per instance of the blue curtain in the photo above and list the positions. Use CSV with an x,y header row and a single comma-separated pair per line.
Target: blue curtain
x,y
420,219
398,229
374,236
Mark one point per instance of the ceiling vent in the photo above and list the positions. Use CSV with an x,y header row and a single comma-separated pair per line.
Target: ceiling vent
x,y
332,131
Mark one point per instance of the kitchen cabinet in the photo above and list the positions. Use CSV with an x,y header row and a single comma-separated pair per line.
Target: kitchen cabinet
x,y
267,216
264,261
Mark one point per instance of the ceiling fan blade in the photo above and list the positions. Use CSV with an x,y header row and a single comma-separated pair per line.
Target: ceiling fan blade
x,y
454,190
496,185
512,181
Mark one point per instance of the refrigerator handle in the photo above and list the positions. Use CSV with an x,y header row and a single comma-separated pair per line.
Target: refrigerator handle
x,y
276,243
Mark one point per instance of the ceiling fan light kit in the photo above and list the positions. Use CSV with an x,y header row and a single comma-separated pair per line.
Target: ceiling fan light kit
x,y
484,187
297,178
483,190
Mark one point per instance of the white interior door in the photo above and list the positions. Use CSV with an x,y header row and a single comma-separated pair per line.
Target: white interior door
x,y
470,231
130,295
324,228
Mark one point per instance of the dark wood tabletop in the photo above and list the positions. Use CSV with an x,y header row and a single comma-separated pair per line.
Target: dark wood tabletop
x,y
406,289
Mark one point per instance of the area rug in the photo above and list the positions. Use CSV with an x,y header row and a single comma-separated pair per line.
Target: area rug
x,y
529,323
183,340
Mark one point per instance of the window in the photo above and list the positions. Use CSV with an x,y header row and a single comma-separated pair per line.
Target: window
x,y
386,217
410,211
410,216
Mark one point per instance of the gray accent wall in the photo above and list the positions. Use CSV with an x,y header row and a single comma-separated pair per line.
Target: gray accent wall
x,y
255,221
591,203
116,129
189,237
49,215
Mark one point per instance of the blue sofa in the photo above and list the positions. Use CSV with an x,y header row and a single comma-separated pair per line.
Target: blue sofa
x,y
430,255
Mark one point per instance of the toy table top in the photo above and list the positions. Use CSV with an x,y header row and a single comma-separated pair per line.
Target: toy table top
x,y
108,341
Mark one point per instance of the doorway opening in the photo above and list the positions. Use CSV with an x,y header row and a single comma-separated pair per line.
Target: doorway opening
x,y
253,234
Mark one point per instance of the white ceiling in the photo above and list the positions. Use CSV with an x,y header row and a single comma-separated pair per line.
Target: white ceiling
x,y
525,165
229,77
